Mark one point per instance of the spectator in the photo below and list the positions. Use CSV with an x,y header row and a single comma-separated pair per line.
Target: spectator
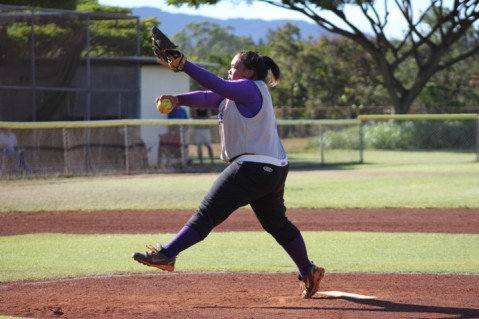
x,y
8,141
8,147
178,113
203,136
176,141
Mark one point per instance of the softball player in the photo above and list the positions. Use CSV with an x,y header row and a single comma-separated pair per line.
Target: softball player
x,y
258,165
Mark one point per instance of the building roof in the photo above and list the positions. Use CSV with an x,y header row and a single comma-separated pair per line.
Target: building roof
x,y
143,60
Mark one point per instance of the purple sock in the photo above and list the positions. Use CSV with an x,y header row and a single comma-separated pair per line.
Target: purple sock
x,y
185,238
296,249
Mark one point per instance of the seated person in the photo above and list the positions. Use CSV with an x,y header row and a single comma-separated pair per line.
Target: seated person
x,y
8,147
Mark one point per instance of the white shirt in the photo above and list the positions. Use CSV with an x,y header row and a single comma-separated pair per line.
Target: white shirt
x,y
8,141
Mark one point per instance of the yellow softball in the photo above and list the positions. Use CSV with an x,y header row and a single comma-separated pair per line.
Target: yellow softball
x,y
164,106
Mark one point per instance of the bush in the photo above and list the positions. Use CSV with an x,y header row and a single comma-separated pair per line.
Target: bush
x,y
443,135
387,136
424,135
344,139
338,139
403,135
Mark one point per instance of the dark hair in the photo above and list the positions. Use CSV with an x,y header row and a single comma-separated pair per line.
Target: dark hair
x,y
261,64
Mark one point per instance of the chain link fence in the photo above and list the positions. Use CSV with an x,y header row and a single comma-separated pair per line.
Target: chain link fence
x,y
167,146
62,65
445,132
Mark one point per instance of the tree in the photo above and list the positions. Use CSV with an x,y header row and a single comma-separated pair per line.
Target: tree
x,y
341,75
61,44
286,46
56,4
320,74
201,40
209,42
424,48
455,89
117,37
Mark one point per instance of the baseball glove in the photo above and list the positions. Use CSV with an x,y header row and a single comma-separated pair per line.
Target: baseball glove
x,y
166,51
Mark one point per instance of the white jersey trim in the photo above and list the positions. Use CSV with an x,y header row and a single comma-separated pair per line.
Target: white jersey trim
x,y
261,159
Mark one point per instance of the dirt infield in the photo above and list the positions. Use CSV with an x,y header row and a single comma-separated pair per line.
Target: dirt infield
x,y
244,295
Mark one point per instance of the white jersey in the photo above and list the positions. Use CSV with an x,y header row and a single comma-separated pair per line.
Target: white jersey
x,y
251,139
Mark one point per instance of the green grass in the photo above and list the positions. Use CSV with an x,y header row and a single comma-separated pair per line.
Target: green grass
x,y
44,256
387,179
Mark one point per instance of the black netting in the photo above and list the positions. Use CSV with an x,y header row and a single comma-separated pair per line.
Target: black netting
x,y
63,65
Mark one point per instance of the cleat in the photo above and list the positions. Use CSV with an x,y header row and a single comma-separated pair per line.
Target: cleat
x,y
155,258
310,283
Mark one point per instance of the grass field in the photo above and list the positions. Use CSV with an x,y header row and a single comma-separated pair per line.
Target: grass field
x,y
67,255
387,179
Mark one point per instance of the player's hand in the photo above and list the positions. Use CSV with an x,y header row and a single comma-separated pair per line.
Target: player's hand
x,y
166,103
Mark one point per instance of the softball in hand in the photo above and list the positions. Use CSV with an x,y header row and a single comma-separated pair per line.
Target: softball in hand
x,y
164,106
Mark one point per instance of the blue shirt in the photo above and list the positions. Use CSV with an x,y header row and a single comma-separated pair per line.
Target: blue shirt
x,y
178,113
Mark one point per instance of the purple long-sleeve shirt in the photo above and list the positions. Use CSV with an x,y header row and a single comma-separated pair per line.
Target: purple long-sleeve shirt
x,y
244,92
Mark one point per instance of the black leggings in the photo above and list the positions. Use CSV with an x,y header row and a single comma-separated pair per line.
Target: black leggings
x,y
258,184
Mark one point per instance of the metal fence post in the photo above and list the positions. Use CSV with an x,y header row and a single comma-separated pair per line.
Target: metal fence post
x,y
183,154
127,150
66,169
361,142
321,143
477,138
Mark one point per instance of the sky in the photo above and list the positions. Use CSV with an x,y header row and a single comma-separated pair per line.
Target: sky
x,y
259,10
224,10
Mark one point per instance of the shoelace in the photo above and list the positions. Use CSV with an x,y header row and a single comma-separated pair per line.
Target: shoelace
x,y
151,250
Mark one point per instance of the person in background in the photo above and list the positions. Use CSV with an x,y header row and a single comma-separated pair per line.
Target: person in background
x,y
178,135
8,147
202,136
178,113
8,141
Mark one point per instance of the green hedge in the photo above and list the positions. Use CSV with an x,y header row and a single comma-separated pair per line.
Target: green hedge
x,y
406,135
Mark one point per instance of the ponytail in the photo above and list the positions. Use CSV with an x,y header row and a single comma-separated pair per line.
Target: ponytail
x,y
262,67
274,68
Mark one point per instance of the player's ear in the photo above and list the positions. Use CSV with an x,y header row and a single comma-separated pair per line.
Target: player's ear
x,y
250,74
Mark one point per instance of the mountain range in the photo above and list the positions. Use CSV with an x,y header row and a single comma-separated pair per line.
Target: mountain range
x,y
172,23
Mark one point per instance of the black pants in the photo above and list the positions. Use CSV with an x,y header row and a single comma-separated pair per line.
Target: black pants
x,y
257,184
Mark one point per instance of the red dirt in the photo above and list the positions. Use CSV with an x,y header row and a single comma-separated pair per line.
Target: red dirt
x,y
243,295
461,221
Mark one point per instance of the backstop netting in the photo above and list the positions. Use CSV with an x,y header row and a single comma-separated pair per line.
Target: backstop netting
x,y
61,65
